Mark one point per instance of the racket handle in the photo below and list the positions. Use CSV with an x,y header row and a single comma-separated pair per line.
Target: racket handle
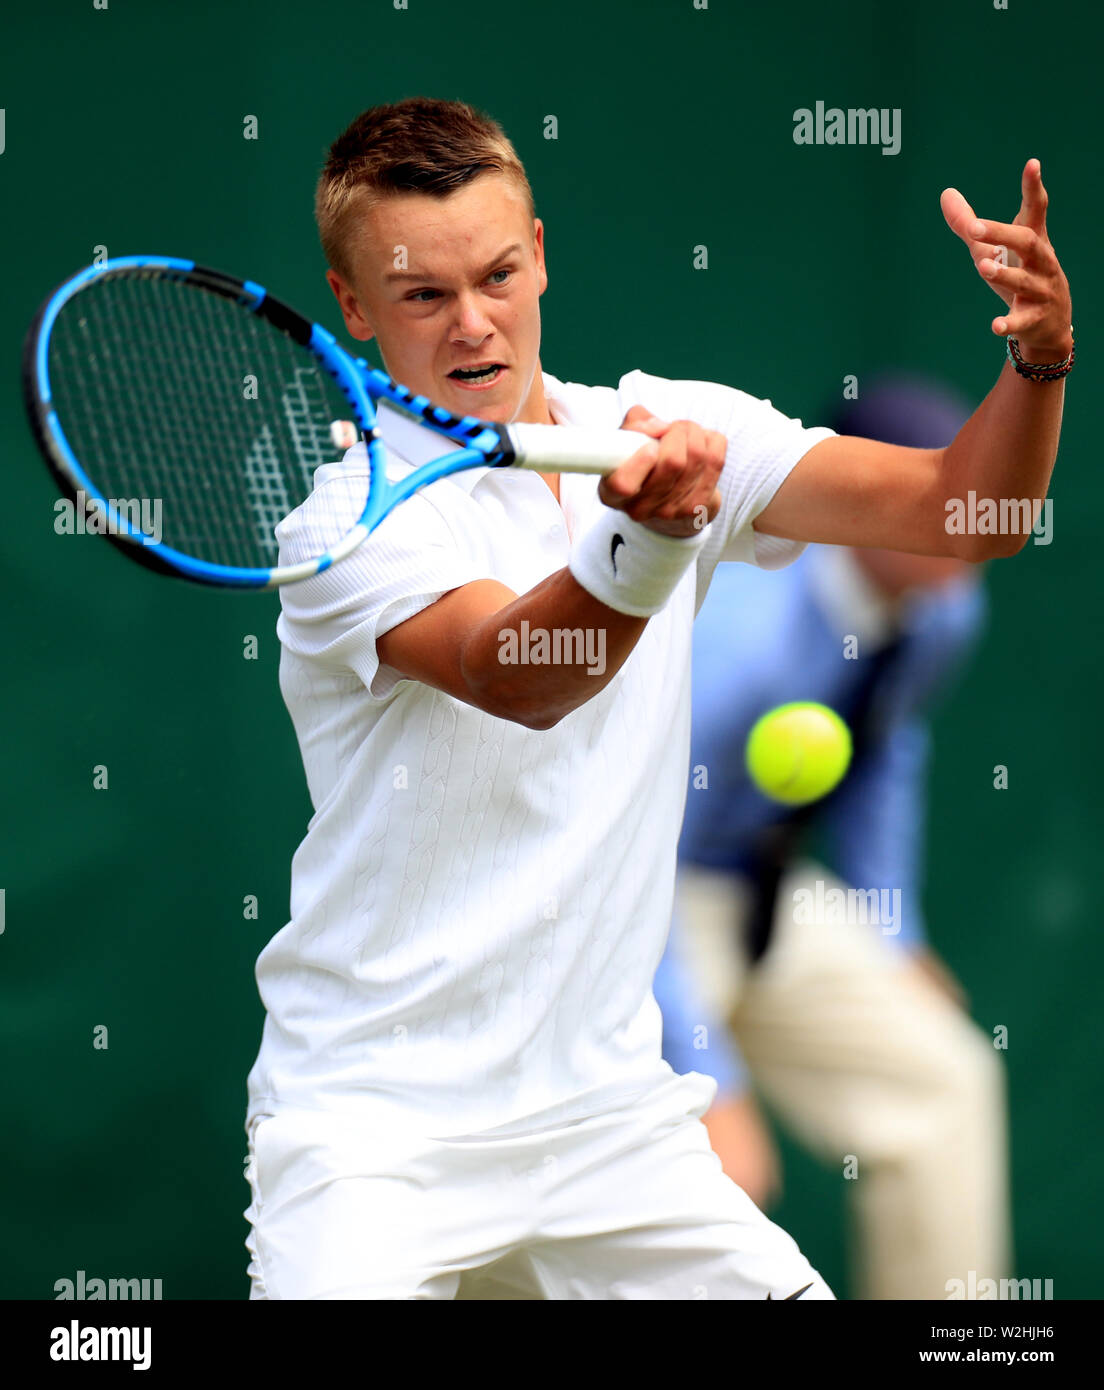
x,y
572,448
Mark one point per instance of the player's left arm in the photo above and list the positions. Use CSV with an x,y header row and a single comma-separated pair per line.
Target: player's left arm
x,y
851,491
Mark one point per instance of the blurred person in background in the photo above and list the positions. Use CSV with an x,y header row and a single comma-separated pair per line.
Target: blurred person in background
x,y
856,1034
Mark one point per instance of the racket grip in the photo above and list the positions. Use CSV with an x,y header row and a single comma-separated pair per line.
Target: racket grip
x,y
573,448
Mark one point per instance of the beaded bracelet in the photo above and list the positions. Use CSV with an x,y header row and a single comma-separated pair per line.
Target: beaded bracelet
x,y
1039,371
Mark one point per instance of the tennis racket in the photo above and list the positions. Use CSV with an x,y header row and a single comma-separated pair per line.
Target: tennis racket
x,y
149,379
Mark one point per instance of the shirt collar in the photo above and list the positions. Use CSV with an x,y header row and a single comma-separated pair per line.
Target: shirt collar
x,y
560,410
560,407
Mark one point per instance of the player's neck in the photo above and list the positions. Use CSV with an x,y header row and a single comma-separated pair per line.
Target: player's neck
x,y
534,408
535,411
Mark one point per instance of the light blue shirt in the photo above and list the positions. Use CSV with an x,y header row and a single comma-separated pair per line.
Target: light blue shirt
x,y
764,638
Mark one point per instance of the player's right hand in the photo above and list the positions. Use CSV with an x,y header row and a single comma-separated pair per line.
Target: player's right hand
x,y
675,494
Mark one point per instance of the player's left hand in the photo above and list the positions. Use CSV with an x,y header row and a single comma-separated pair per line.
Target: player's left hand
x,y
1017,259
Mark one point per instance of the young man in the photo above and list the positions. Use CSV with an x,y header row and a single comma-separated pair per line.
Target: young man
x,y
460,1091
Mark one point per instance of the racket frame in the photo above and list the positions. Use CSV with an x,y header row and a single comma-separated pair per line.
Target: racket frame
x,y
480,441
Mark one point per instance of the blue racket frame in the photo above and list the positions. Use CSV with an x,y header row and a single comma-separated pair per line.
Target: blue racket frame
x,y
480,442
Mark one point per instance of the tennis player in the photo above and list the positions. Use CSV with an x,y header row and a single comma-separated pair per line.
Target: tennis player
x,y
460,1091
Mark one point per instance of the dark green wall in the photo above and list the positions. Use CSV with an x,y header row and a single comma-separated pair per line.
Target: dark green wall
x,y
124,907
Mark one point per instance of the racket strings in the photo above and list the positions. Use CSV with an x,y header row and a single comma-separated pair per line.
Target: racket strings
x,y
184,400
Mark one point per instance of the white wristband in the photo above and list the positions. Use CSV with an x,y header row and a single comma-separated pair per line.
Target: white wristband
x,y
629,567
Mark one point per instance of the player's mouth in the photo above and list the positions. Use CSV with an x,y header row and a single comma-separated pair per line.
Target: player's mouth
x,y
479,377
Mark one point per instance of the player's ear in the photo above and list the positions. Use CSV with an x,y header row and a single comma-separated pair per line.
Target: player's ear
x,y
355,321
538,251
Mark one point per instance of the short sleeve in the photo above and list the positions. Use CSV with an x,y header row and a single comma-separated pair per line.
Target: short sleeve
x,y
426,547
763,447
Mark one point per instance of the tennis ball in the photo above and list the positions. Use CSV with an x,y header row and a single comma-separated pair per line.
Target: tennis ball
x,y
798,753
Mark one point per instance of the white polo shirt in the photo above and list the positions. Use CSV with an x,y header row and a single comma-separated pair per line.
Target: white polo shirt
x,y
477,908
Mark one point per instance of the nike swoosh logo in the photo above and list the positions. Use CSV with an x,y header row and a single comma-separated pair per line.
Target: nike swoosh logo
x,y
794,1295
617,540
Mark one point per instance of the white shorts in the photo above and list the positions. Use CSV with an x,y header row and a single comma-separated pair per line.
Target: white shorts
x,y
631,1204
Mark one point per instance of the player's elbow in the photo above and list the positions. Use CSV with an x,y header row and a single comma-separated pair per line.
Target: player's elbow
x,y
538,716
497,690
977,550
532,710
543,720
1009,545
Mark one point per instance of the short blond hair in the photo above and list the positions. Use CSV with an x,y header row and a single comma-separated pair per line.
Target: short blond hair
x,y
419,145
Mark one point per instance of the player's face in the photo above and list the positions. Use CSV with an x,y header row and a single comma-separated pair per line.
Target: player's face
x,y
455,282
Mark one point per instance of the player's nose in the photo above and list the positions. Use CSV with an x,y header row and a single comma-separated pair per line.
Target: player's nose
x,y
471,321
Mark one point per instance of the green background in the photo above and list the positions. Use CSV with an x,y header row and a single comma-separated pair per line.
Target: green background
x,y
124,906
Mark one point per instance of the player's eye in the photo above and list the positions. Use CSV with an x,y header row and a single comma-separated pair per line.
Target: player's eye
x,y
416,298
504,271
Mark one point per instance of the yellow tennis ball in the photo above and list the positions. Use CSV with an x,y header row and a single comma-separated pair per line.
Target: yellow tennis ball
x,y
798,753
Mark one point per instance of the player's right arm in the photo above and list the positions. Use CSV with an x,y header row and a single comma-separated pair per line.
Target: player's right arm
x,y
460,643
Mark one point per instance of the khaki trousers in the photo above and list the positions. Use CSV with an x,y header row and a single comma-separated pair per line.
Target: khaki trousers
x,y
872,1068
